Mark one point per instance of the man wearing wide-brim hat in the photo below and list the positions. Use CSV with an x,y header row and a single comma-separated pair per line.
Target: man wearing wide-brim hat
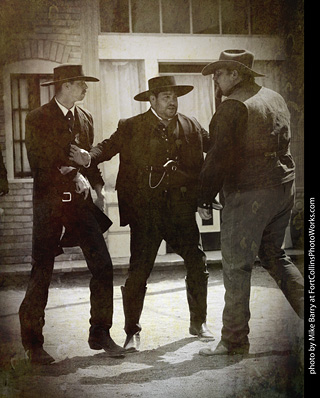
x,y
61,199
161,154
250,161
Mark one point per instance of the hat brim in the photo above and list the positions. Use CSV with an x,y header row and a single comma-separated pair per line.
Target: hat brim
x,y
179,90
211,68
69,79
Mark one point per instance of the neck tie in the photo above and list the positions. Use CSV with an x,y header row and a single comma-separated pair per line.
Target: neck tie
x,y
70,120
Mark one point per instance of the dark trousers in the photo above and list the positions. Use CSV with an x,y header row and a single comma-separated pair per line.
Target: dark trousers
x,y
254,224
46,237
174,221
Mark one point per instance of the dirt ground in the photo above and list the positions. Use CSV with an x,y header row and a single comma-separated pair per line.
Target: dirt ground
x,y
169,364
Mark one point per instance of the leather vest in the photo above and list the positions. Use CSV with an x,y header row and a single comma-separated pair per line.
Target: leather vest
x,y
265,158
268,128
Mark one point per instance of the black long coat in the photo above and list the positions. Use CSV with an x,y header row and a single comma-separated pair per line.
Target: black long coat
x,y
135,141
48,145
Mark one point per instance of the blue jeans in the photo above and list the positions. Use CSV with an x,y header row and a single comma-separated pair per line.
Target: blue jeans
x,y
254,224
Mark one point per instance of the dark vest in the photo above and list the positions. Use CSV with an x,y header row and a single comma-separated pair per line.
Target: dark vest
x,y
265,158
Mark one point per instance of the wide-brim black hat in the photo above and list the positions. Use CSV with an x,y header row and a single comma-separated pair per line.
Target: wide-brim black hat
x,y
65,73
238,59
160,84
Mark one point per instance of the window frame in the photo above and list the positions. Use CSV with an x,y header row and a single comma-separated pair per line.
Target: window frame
x,y
220,19
30,66
17,136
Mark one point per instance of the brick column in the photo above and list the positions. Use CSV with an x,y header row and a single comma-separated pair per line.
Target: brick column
x,y
90,60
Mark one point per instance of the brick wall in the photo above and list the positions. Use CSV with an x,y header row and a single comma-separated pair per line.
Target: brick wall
x,y
16,227
55,36
16,224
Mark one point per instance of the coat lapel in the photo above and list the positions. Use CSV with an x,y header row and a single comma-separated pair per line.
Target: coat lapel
x,y
186,127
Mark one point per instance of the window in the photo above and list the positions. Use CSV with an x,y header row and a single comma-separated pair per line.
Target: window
x,y
145,16
205,17
175,16
235,17
266,16
231,17
26,94
114,16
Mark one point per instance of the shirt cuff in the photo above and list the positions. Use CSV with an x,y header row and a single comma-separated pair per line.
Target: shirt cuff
x,y
89,164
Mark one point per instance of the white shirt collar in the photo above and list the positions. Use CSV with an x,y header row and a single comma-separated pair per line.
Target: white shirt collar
x,y
155,113
64,109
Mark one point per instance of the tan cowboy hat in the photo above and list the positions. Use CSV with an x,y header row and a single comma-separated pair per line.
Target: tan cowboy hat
x,y
163,83
239,59
65,73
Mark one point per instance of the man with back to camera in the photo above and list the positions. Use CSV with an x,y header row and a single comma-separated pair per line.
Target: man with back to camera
x,y
161,154
61,198
250,161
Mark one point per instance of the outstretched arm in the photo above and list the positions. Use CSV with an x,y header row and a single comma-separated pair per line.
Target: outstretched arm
x,y
80,156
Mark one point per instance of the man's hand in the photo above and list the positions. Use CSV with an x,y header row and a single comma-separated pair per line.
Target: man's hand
x,y
99,201
82,185
79,156
205,214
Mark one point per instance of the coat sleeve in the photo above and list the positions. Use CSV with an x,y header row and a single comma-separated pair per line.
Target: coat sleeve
x,y
110,147
225,140
92,173
205,137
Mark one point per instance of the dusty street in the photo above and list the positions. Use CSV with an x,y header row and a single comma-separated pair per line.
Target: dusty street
x,y
168,364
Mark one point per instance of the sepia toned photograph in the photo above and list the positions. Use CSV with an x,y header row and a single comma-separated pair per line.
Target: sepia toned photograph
x,y
152,200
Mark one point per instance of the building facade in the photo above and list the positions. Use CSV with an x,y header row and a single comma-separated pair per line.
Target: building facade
x,y
124,43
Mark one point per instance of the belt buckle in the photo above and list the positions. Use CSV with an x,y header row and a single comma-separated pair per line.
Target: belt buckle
x,y
69,198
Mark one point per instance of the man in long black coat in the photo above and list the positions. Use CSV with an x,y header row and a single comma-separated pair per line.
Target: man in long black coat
x,y
161,154
61,198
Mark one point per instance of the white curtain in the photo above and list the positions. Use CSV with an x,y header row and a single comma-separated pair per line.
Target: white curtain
x,y
120,82
199,102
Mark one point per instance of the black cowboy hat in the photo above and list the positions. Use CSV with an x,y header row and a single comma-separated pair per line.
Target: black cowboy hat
x,y
238,59
160,84
65,73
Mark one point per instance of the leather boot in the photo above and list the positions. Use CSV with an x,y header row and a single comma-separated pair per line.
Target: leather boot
x,y
100,339
226,349
132,342
39,356
197,300
201,331
132,309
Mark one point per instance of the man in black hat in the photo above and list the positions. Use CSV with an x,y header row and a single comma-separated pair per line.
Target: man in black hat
x,y
250,161
161,154
61,199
